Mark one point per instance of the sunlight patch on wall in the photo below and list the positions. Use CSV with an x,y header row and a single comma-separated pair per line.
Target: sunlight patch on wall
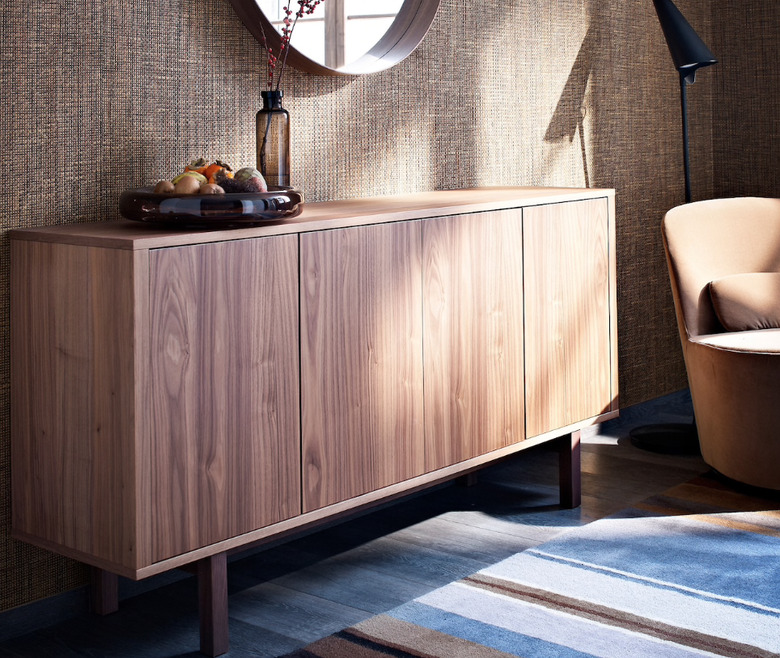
x,y
524,90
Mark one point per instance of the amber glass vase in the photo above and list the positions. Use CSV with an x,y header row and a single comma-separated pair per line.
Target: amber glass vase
x,y
273,140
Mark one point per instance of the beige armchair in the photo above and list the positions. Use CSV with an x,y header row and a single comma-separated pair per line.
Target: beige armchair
x,y
724,265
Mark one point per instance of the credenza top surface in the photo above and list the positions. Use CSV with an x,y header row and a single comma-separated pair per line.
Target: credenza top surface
x,y
126,234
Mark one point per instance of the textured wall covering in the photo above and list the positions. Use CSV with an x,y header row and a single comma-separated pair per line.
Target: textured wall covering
x,y
99,96
747,114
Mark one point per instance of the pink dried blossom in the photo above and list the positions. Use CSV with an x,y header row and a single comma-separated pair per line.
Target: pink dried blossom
x,y
288,25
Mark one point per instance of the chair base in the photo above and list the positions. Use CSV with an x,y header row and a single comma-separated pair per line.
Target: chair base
x,y
744,487
667,438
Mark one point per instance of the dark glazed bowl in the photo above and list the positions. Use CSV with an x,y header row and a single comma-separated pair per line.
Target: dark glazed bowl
x,y
233,210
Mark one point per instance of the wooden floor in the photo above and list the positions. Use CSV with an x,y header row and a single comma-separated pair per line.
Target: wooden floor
x,y
291,594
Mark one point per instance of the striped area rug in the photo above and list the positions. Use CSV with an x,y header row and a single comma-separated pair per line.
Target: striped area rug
x,y
693,572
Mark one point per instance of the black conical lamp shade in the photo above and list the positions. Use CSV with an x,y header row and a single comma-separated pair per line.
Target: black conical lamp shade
x,y
688,51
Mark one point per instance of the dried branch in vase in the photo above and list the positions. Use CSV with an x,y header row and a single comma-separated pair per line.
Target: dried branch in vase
x,y
305,7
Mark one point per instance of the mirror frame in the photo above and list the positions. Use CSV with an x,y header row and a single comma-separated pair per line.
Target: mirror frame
x,y
412,23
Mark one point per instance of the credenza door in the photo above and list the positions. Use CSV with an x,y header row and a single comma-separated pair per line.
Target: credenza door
x,y
361,360
568,352
221,454
473,336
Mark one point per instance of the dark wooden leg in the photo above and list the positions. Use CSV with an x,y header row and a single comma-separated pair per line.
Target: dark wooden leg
x,y
104,592
213,604
569,470
468,480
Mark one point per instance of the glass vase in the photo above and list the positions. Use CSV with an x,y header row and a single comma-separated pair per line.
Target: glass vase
x,y
273,140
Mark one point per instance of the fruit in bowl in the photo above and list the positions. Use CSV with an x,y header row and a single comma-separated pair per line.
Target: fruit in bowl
x,y
203,177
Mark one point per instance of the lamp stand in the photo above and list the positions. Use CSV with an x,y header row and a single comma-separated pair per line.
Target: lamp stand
x,y
673,438
667,438
689,53
686,157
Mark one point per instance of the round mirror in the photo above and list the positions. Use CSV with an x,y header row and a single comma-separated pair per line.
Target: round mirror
x,y
342,37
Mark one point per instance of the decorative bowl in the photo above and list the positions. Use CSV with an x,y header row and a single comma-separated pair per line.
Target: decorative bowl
x,y
231,210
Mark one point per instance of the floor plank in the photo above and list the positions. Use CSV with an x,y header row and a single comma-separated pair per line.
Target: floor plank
x,y
345,582
292,613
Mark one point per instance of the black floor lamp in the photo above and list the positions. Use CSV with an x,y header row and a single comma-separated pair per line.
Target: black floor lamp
x,y
688,54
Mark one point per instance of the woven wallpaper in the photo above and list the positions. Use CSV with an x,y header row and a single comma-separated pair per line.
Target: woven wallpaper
x,y
99,96
747,110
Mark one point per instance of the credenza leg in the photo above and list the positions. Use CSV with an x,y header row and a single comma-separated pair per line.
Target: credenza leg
x,y
213,604
570,481
103,591
468,480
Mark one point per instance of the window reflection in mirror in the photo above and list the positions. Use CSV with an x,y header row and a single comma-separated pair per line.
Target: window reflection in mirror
x,y
339,32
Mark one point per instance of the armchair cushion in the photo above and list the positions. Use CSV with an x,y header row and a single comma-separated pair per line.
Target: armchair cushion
x,y
762,341
747,301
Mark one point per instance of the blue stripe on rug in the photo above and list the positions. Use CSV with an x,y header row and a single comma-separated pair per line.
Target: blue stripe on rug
x,y
705,559
495,637
655,582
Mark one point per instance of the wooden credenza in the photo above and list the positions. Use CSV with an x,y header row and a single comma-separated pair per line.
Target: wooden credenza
x,y
180,394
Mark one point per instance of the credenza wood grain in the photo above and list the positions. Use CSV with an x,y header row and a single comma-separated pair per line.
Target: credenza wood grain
x,y
223,391
177,394
73,400
567,314
361,360
321,216
473,338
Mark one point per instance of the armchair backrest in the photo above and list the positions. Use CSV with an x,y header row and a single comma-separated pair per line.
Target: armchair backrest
x,y
707,240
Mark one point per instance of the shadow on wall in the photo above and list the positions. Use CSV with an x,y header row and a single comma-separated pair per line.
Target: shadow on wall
x,y
571,110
